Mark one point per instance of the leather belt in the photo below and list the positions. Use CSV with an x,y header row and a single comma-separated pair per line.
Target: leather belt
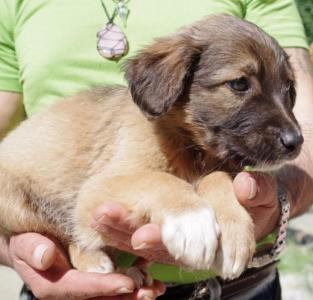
x,y
216,288
250,280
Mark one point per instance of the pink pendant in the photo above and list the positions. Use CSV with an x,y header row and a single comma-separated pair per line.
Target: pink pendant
x,y
112,42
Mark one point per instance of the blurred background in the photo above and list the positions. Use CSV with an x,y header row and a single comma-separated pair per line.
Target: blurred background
x,y
296,264
306,11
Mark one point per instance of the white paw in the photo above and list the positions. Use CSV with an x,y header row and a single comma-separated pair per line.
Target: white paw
x,y
104,265
236,249
192,237
140,275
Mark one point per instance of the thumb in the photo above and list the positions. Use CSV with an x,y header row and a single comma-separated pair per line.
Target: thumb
x,y
254,189
34,249
146,237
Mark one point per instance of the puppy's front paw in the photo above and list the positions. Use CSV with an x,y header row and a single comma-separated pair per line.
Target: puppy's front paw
x,y
90,260
192,237
237,245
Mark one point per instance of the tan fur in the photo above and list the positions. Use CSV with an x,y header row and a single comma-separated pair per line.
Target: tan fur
x,y
60,165
218,189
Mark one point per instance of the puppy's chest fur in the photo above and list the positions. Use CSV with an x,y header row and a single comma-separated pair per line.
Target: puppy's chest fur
x,y
186,160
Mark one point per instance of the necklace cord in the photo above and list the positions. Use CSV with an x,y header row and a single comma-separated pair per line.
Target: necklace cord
x,y
110,19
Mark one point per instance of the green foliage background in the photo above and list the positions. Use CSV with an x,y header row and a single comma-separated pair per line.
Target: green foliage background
x,y
306,11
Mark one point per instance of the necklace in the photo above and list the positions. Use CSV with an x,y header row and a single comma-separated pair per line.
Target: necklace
x,y
112,42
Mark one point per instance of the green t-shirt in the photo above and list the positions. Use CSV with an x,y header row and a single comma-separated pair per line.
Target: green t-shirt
x,y
48,48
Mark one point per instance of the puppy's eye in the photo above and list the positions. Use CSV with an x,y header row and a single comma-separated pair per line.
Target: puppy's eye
x,y
240,84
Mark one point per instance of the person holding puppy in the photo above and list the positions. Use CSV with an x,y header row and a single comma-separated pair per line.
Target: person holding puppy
x,y
42,74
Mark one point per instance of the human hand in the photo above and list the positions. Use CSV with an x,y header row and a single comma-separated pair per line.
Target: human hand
x,y
257,193
44,267
146,241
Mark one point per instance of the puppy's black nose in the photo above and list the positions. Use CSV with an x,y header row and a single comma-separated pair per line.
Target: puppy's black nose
x,y
291,139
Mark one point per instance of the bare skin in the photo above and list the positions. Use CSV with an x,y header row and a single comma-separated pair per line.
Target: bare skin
x,y
52,277
256,192
11,112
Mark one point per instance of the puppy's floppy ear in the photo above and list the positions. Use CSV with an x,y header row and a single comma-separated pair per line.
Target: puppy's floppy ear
x,y
157,75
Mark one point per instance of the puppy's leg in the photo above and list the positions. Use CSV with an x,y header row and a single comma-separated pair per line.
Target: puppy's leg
x,y
189,229
237,242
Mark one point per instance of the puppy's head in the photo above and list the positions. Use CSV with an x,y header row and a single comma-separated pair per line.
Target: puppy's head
x,y
227,84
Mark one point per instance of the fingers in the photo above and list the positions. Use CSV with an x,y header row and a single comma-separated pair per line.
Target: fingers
x,y
44,267
82,285
257,193
150,293
78,285
255,189
113,215
36,250
109,286
146,237
145,293
112,219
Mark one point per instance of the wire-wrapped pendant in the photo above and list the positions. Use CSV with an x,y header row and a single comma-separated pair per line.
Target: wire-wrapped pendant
x,y
112,42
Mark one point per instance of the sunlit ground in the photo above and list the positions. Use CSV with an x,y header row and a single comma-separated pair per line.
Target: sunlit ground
x,y
296,265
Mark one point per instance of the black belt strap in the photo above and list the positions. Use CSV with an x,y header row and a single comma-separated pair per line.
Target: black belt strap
x,y
216,288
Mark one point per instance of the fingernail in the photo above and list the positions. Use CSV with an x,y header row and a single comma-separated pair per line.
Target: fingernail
x,y
98,221
253,188
124,290
143,246
39,253
102,217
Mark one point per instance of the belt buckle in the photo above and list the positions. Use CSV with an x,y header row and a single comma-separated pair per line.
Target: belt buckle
x,y
211,288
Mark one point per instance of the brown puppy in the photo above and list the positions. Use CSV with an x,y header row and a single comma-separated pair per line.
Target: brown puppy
x,y
218,95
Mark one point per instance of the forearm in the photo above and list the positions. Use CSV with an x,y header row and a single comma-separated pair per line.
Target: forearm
x,y
298,177
299,186
11,111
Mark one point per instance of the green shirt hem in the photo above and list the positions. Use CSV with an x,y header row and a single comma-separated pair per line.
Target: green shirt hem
x,y
9,86
175,274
